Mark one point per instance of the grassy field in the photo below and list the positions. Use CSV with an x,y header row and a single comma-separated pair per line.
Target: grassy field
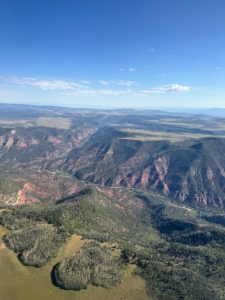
x,y
147,135
177,122
61,123
18,282
15,123
201,122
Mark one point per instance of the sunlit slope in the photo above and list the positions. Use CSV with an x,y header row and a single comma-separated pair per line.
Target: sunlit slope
x,y
190,170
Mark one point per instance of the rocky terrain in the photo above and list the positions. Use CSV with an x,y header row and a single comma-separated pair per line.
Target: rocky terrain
x,y
180,156
148,185
191,172
35,145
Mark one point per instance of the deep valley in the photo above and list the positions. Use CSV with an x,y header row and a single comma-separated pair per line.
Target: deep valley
x,y
141,194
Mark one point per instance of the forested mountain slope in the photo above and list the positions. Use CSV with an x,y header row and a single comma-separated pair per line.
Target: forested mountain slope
x,y
167,243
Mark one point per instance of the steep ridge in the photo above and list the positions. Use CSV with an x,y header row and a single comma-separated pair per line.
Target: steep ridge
x,y
27,186
190,171
24,152
33,145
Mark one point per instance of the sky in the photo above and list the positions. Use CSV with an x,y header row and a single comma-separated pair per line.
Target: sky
x,y
113,53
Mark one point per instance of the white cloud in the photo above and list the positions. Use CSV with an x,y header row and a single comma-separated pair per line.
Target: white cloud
x,y
172,88
104,82
132,70
127,83
120,82
97,92
167,88
46,84
85,81
141,95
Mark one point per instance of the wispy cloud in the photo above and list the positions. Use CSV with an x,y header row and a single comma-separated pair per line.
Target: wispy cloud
x,y
172,88
46,84
132,70
97,92
120,82
127,83
153,91
141,95
105,82
78,89
168,88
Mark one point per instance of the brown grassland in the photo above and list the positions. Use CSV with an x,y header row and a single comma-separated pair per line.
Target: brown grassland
x,y
58,122
15,123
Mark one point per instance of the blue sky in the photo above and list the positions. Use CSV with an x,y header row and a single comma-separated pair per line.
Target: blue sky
x,y
113,53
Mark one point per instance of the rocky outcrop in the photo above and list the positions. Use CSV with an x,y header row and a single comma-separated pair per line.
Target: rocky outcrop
x,y
24,197
26,186
37,145
192,172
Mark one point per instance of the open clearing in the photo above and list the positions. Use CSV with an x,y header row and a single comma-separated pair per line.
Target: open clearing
x,y
215,126
176,123
146,135
18,282
15,123
58,122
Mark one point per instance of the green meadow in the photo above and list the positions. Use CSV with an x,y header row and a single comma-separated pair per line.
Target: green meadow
x,y
19,282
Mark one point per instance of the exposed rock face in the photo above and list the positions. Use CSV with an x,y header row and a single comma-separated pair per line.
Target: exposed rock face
x,y
36,145
28,187
192,172
24,152
120,197
24,197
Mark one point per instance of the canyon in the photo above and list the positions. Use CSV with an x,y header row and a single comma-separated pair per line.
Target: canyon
x,y
141,150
